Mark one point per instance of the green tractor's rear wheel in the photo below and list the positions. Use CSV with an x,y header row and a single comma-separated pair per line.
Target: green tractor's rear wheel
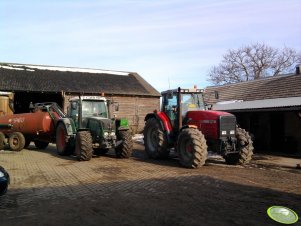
x,y
2,140
245,149
62,141
83,146
125,149
155,140
16,141
192,148
41,144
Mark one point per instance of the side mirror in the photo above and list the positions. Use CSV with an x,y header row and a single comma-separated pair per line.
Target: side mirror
x,y
73,105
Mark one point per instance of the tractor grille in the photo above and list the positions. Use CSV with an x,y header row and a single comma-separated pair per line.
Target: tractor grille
x,y
227,125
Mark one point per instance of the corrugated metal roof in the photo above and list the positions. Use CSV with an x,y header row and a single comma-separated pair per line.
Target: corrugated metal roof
x,y
260,104
282,86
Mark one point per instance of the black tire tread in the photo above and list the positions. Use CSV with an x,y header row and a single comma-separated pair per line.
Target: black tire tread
x,y
85,151
21,138
199,148
125,149
162,151
245,146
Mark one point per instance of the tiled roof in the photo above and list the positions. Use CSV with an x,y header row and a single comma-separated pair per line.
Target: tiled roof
x,y
282,86
36,78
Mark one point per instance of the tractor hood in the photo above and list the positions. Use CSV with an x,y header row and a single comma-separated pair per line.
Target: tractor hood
x,y
107,124
206,115
212,123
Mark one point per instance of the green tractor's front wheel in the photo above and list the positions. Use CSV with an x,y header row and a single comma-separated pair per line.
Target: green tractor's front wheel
x,y
83,146
125,148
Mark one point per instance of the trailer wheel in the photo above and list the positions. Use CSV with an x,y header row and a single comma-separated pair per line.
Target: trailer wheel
x,y
192,148
124,150
2,140
62,141
16,141
155,140
83,146
245,149
41,144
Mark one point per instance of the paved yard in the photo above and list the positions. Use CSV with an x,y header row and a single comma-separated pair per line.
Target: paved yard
x,y
47,189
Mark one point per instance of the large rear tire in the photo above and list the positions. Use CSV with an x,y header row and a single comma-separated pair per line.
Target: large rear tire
x,y
245,149
2,140
83,146
16,141
125,149
41,144
155,140
62,140
192,148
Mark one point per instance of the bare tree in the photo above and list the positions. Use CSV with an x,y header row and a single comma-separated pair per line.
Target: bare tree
x,y
253,62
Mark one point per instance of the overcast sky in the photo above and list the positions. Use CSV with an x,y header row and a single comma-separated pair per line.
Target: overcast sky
x,y
172,42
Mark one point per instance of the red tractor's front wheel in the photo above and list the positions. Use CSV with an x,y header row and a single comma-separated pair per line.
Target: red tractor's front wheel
x,y
155,140
192,148
245,149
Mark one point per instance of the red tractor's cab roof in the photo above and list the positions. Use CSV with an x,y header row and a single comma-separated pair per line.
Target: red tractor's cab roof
x,y
193,90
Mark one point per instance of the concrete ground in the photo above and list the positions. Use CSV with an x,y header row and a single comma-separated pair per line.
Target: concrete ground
x,y
47,189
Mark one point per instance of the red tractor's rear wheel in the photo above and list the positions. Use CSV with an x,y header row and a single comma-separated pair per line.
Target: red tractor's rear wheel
x,y
16,141
192,148
155,140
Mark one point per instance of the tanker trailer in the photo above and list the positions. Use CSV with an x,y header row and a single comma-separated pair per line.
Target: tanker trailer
x,y
19,130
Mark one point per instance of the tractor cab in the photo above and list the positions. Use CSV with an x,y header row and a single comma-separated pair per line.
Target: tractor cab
x,y
80,109
176,103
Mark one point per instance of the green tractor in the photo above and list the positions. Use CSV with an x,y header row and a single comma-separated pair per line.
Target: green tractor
x,y
89,129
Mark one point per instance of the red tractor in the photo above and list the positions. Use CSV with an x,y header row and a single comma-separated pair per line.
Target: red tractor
x,y
185,124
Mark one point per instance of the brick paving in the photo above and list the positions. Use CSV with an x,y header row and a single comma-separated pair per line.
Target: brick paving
x,y
43,174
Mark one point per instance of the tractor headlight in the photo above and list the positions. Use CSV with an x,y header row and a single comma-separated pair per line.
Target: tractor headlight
x,y
224,132
112,134
1,174
106,134
232,132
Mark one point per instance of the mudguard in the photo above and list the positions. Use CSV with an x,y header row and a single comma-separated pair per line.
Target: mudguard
x,y
69,125
163,119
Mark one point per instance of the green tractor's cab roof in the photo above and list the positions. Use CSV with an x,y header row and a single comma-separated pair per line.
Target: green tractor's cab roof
x,y
95,98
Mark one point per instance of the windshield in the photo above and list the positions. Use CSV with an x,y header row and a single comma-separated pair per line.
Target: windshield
x,y
192,101
94,108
